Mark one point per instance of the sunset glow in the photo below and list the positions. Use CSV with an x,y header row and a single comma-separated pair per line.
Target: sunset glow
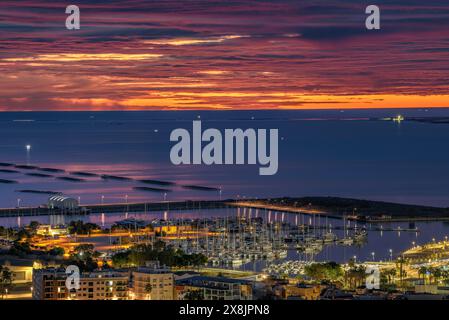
x,y
217,55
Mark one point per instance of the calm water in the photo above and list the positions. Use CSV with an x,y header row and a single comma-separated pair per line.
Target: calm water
x,y
321,153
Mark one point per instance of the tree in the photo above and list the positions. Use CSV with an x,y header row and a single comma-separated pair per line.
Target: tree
x,y
5,280
34,225
422,271
166,255
83,257
79,227
20,248
400,266
84,249
355,276
56,251
331,271
390,274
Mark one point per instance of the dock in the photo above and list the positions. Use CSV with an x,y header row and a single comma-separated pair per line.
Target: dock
x,y
117,208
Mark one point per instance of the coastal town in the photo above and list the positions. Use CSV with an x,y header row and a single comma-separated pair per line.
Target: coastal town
x,y
200,259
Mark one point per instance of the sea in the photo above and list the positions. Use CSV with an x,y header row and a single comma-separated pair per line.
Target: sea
x,y
359,154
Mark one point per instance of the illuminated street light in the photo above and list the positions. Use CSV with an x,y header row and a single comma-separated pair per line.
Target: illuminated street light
x,y
28,150
391,254
373,254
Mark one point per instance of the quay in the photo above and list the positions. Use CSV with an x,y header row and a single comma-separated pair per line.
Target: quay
x,y
373,218
162,206
117,208
262,204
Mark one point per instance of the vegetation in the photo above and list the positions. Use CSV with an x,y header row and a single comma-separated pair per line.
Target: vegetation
x,y
432,275
330,271
5,280
20,248
84,257
56,251
166,255
387,279
362,207
33,226
79,227
355,276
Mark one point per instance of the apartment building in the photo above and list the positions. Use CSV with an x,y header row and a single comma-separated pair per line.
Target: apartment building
x,y
214,288
50,284
153,283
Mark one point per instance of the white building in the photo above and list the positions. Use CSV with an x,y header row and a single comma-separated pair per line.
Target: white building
x,y
153,283
62,203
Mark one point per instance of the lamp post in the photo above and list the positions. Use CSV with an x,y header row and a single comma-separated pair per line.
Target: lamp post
x,y
126,201
373,254
28,152
18,203
102,200
391,254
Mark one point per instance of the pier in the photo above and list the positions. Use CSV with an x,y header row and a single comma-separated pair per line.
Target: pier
x,y
317,209
262,204
117,208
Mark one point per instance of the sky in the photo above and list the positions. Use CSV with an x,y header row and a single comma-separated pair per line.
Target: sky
x,y
223,54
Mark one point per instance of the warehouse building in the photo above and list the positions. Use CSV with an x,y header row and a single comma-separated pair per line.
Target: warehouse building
x,y
62,203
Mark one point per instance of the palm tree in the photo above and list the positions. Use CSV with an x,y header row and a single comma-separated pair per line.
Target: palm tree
x,y
390,274
400,265
355,276
422,271
5,280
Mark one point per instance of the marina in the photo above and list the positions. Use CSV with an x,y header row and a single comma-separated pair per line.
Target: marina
x,y
252,239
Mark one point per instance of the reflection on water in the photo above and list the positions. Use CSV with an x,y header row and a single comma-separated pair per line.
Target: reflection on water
x,y
379,240
378,160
